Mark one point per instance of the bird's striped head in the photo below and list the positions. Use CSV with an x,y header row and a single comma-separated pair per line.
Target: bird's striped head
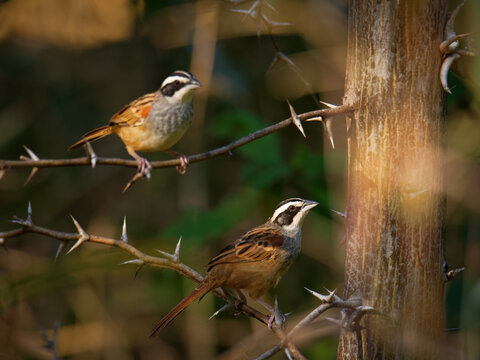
x,y
179,87
290,213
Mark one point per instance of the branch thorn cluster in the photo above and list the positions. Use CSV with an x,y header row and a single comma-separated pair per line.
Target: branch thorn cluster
x,y
175,257
257,14
91,154
296,121
83,236
449,47
33,157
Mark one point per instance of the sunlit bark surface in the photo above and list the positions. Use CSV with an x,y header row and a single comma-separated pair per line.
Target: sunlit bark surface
x,y
395,209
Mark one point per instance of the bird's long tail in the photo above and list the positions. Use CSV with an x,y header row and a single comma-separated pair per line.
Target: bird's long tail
x,y
201,290
93,136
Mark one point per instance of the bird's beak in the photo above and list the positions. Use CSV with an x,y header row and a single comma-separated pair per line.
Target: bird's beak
x,y
195,82
309,204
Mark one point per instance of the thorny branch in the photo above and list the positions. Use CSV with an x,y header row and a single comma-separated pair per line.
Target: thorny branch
x,y
35,162
354,305
257,14
449,47
172,262
169,261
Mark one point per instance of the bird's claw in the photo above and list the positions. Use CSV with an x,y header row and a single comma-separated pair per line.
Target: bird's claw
x,y
279,318
143,170
182,168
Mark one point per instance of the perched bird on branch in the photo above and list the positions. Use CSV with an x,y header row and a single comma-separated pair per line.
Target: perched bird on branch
x,y
153,122
256,261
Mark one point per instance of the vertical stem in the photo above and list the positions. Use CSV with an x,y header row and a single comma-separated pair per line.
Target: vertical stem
x,y
395,206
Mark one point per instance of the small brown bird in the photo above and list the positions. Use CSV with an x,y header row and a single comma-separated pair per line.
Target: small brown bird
x,y
153,122
256,261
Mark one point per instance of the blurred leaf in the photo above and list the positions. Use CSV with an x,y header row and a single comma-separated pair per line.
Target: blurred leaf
x,y
310,167
202,225
264,166
324,349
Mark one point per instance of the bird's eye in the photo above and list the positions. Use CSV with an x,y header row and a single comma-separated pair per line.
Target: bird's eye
x,y
291,208
176,82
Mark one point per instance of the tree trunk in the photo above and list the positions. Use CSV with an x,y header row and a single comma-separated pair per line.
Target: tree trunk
x,y
395,207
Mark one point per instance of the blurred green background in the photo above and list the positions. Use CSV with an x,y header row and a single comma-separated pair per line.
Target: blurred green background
x,y
66,66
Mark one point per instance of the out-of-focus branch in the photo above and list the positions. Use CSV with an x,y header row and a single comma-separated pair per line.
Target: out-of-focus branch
x,y
87,161
169,261
354,306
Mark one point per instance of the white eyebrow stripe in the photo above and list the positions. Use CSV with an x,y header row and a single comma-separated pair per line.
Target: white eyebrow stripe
x,y
173,78
285,207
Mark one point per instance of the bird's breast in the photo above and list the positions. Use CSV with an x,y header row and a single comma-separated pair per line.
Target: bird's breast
x,y
162,129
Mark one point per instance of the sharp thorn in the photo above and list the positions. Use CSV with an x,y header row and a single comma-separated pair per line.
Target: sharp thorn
x,y
449,27
17,220
137,271
134,262
32,155
60,249
295,119
29,212
124,230
219,311
270,6
331,106
333,320
452,273
318,118
176,255
2,173
447,63
83,235
91,154
339,213
31,175
324,298
288,354
240,11
165,254
314,293
328,128
279,317
288,61
274,62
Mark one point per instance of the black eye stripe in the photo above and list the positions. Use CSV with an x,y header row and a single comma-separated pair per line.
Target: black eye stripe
x,y
286,216
170,88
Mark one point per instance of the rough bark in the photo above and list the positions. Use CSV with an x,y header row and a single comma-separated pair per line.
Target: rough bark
x,y
395,207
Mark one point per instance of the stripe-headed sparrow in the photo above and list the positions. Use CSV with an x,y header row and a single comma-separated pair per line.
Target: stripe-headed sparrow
x,y
256,261
153,122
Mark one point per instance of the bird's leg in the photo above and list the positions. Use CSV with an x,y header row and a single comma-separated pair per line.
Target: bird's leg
x,y
182,168
239,301
273,313
143,169
144,165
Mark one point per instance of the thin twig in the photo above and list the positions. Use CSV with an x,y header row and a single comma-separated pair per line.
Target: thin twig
x,y
86,160
328,301
140,257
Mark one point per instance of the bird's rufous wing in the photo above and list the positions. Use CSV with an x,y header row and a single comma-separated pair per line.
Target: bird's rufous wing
x,y
134,113
258,244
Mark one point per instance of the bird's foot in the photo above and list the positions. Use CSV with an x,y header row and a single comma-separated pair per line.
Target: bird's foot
x,y
143,170
278,318
182,168
144,167
238,306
